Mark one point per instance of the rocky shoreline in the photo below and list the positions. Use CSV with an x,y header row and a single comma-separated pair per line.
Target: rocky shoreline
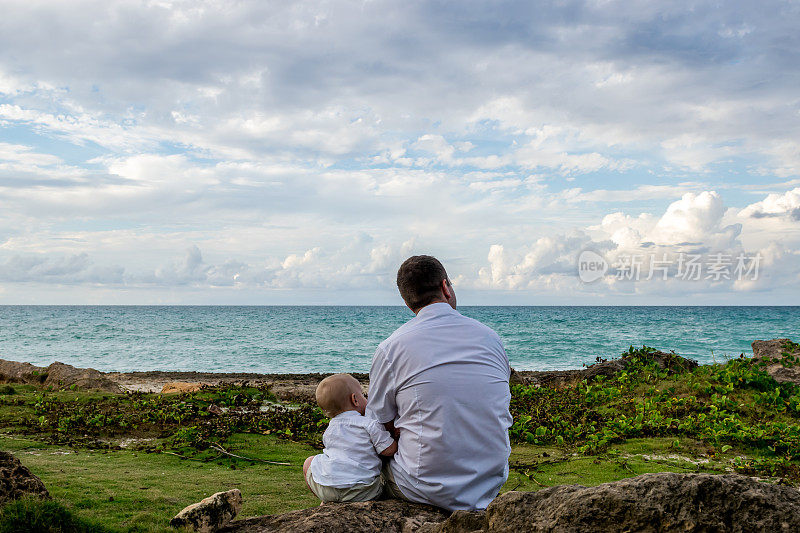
x,y
288,387
301,387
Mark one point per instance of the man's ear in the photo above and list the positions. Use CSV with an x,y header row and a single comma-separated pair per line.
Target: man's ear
x,y
446,289
353,399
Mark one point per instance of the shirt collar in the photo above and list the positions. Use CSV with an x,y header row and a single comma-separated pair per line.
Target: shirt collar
x,y
345,414
435,309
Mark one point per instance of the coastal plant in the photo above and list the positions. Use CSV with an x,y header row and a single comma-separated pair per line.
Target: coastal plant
x,y
189,421
724,405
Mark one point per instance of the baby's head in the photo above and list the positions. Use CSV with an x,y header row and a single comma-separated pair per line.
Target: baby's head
x,y
339,393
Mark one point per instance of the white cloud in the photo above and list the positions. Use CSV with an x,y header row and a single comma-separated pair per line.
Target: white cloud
x,y
785,205
18,156
71,269
305,144
696,218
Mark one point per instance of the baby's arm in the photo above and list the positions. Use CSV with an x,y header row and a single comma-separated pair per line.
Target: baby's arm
x,y
391,450
382,440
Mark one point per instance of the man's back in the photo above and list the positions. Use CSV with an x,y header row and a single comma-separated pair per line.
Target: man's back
x,y
442,379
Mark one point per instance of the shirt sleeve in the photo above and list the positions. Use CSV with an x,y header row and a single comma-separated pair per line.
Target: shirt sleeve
x,y
381,404
381,439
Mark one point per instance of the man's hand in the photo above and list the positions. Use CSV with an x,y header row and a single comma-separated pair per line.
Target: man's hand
x,y
393,431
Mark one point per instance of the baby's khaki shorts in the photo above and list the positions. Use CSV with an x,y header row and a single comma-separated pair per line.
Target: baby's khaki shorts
x,y
356,493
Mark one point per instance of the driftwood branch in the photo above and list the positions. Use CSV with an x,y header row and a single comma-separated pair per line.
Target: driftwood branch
x,y
220,449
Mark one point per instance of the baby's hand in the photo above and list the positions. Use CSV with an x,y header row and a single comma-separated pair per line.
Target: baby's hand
x,y
391,450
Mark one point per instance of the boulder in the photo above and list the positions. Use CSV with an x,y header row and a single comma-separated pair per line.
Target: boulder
x,y
210,514
16,372
517,379
387,516
458,522
63,376
650,503
180,386
58,375
777,350
663,502
17,481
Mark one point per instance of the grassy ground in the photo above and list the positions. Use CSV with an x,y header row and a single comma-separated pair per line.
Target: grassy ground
x,y
131,462
135,491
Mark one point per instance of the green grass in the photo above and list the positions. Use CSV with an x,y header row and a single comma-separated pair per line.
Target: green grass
x,y
32,515
135,491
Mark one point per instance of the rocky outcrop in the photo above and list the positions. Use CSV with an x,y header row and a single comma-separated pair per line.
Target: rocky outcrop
x,y
651,502
361,517
15,372
210,514
58,375
663,502
776,352
63,376
17,481
517,379
566,378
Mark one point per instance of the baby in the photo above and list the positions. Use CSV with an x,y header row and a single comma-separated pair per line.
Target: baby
x,y
348,469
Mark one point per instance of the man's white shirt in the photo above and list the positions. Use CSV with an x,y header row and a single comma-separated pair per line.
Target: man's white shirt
x,y
352,444
442,378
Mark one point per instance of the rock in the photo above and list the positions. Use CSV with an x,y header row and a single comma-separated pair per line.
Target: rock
x,y
517,379
210,514
777,350
773,349
215,409
458,522
387,516
663,502
58,375
649,503
180,386
15,372
63,376
17,481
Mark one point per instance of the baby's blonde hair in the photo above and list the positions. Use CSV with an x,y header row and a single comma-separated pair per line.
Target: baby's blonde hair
x,y
333,393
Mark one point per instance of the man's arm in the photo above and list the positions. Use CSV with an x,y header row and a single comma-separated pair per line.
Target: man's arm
x,y
381,402
393,431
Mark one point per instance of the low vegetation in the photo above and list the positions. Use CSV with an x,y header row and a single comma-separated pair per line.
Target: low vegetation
x,y
129,462
735,405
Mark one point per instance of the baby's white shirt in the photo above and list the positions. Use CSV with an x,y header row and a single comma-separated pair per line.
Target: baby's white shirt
x,y
352,444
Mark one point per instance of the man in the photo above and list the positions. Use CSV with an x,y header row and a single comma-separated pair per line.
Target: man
x,y
441,380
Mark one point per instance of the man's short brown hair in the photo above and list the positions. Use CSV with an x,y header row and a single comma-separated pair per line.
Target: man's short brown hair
x,y
419,280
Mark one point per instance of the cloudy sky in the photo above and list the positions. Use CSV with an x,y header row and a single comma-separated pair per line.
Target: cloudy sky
x,y
296,152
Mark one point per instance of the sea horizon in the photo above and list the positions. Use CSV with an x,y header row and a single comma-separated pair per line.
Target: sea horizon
x,y
385,305
342,338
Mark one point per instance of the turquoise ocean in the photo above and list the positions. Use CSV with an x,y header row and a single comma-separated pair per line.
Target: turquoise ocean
x,y
278,339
